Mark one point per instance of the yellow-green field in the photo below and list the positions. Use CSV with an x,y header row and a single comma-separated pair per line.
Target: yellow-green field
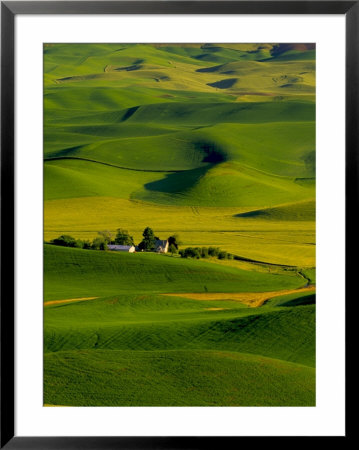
x,y
275,241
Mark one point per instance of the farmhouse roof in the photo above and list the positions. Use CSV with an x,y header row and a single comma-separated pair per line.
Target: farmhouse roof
x,y
119,247
161,242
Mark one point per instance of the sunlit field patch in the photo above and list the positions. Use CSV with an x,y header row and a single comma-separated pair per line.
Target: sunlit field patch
x,y
253,299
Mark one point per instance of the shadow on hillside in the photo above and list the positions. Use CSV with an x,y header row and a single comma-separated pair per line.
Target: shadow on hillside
x,y
66,152
210,69
129,112
255,213
211,152
306,300
178,182
223,84
183,180
128,68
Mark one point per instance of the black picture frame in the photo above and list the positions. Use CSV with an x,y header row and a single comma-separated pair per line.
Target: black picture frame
x,y
9,9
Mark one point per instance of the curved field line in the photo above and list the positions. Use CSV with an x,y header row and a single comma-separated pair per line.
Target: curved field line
x,y
59,158
263,263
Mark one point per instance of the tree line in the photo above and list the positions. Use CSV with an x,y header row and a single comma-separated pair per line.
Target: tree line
x,y
122,237
148,244
205,252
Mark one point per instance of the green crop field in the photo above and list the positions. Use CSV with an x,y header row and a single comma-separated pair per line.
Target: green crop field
x,y
214,143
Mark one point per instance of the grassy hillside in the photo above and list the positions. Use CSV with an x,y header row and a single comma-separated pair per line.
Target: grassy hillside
x,y
137,333
163,378
149,322
216,143
136,330
71,273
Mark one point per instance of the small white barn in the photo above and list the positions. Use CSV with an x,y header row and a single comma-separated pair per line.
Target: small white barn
x,y
161,246
121,248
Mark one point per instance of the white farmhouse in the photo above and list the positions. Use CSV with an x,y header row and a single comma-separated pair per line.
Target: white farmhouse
x,y
161,246
121,248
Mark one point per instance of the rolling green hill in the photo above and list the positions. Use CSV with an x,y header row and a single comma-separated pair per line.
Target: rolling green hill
x,y
216,143
301,211
136,330
149,322
71,273
167,379
166,134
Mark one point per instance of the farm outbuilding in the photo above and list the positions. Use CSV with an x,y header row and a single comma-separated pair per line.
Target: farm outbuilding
x,y
161,246
121,248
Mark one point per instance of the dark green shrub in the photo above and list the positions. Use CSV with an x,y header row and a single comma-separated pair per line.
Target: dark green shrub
x,y
65,241
204,252
222,254
122,238
148,242
99,243
86,245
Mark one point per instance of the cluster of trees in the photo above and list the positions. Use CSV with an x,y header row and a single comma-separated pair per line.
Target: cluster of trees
x,y
122,237
173,244
205,252
148,244
66,240
100,242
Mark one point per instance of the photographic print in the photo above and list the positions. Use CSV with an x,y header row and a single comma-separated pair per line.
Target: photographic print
x,y
179,224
